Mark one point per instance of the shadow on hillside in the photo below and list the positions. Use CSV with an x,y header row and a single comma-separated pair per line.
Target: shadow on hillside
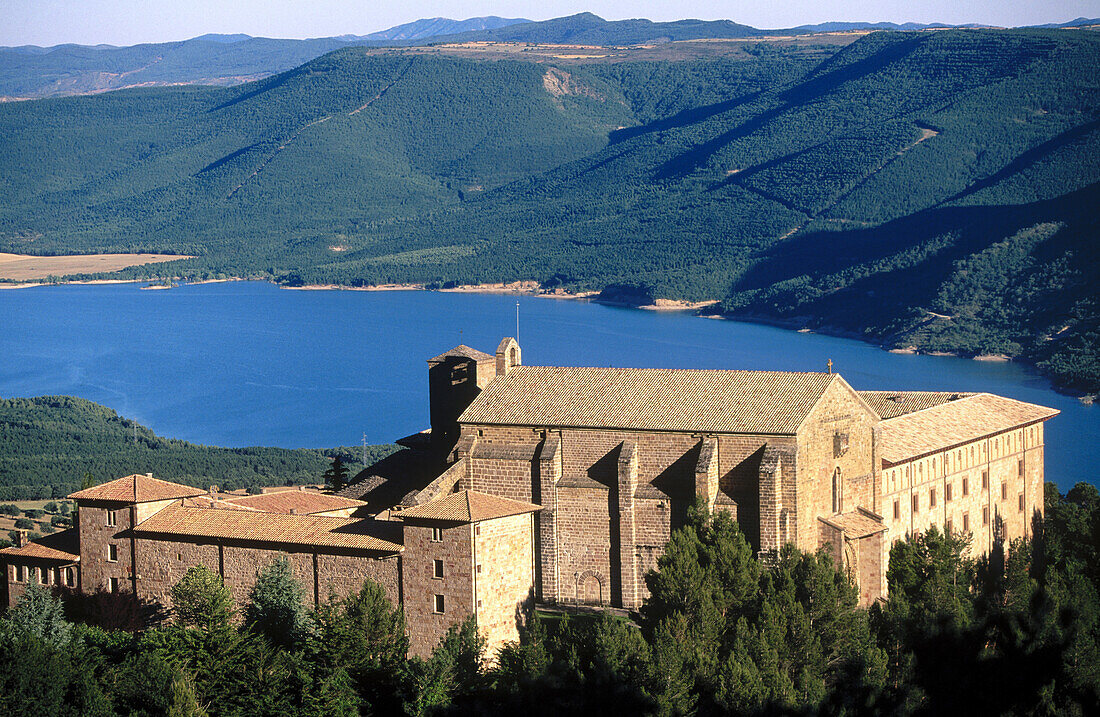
x,y
682,119
822,253
1029,158
801,93
226,159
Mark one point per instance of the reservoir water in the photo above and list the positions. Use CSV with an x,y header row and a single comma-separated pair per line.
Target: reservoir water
x,y
247,363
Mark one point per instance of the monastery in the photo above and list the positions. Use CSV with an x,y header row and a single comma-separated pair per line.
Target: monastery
x,y
554,485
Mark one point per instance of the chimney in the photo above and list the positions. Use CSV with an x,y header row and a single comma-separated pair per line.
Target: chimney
x,y
294,511
214,493
20,538
148,475
301,489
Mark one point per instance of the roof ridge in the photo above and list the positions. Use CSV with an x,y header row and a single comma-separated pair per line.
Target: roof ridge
x,y
941,405
685,370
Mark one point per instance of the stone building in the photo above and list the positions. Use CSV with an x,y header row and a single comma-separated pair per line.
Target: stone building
x,y
562,485
615,456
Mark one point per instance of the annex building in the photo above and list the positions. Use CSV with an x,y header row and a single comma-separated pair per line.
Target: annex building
x,y
562,485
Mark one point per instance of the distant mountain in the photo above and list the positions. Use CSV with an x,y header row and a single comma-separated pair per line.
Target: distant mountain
x,y
903,27
1079,22
435,26
588,29
217,37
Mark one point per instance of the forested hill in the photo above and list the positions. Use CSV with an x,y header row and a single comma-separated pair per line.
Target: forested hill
x,y
48,444
927,189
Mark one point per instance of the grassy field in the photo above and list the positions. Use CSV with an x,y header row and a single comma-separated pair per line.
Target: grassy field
x,y
22,267
42,525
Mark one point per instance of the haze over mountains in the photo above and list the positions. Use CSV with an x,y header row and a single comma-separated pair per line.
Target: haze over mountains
x,y
28,71
922,189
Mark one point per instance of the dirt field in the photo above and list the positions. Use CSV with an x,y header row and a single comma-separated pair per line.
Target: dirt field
x,y
7,522
20,267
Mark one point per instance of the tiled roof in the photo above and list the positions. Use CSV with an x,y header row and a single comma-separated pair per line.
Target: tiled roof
x,y
891,404
463,351
766,402
855,524
300,501
62,545
954,423
314,530
137,488
468,506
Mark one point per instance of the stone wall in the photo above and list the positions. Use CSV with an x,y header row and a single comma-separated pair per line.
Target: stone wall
x,y
97,539
162,562
504,577
420,585
836,435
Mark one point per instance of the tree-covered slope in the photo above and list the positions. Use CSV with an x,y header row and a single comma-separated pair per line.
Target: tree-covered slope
x,y
49,443
876,188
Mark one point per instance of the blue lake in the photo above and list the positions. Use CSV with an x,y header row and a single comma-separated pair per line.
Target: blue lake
x,y
247,363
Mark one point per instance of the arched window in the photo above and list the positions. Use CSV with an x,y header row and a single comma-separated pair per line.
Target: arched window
x,y
836,490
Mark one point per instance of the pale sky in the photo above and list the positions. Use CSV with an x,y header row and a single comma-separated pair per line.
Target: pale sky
x,y
127,22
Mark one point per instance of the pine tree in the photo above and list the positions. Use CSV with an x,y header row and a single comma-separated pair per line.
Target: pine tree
x,y
200,599
336,477
275,605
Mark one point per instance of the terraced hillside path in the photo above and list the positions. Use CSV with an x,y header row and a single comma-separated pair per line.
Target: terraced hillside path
x,y
315,122
926,133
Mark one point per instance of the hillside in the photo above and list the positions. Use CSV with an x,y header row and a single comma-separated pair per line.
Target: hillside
x,y
48,444
932,190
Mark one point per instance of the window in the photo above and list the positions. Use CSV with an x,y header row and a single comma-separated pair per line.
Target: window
x,y
1021,502
897,510
437,535
966,486
112,553
438,604
44,576
477,530
1020,468
479,568
438,569
1004,491
70,577
966,522
179,557
947,493
110,519
948,528
985,515
985,480
20,575
916,503
932,498
113,584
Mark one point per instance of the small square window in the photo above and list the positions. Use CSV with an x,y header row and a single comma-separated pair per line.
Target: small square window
x,y
477,530
113,584
110,519
112,553
437,535
479,567
1021,502
179,557
438,604
439,568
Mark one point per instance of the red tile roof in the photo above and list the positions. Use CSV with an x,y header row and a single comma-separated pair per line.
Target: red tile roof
x,y
955,423
462,351
63,545
247,525
300,501
468,506
137,488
